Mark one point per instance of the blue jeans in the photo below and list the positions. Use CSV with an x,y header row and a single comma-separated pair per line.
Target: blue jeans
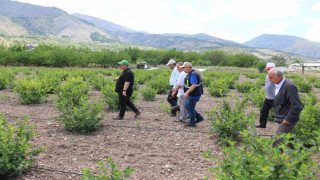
x,y
191,108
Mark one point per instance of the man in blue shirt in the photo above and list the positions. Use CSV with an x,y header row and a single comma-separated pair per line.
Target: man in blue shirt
x,y
193,90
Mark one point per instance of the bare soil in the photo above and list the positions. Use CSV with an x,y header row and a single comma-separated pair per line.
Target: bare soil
x,y
154,154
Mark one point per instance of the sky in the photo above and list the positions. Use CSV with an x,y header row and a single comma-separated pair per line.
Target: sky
x,y
236,20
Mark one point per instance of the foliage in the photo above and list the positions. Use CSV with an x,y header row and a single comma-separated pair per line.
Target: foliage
x,y
279,60
165,107
108,172
257,97
261,66
218,88
228,121
16,151
31,90
256,159
161,84
302,85
3,82
309,99
246,87
149,93
78,113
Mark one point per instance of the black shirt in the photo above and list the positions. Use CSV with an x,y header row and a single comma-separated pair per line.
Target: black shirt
x,y
126,76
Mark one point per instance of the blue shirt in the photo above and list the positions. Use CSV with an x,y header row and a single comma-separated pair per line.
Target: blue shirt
x,y
193,80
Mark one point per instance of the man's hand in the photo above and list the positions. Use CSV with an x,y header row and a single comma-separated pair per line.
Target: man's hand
x,y
173,94
124,93
115,79
284,122
185,96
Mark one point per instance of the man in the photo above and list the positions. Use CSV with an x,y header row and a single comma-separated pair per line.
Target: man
x,y
124,88
287,104
268,101
180,90
173,84
193,90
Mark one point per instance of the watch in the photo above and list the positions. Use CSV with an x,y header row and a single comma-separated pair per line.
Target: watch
x,y
124,90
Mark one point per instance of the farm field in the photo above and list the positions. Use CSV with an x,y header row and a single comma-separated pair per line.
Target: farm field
x,y
153,144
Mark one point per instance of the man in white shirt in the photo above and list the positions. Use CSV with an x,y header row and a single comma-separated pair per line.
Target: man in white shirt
x,y
180,90
173,83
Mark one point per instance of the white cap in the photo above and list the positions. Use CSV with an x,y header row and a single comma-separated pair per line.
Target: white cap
x,y
171,61
186,64
270,65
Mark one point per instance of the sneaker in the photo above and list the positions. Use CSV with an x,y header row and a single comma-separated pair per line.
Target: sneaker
x,y
199,120
179,120
117,118
189,125
175,108
137,114
173,115
260,126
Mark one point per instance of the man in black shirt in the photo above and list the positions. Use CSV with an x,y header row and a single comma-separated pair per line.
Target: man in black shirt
x,y
124,88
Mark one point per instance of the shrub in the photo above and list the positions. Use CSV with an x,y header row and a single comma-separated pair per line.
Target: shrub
x,y
16,152
252,75
257,97
316,83
149,94
165,107
31,91
256,159
308,127
218,88
3,82
228,121
246,87
303,86
109,172
78,113
310,99
161,84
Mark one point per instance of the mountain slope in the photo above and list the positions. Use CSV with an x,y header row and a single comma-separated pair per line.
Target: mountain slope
x,y
37,20
289,44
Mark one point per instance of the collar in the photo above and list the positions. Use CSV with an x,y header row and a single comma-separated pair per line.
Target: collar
x,y
126,69
278,86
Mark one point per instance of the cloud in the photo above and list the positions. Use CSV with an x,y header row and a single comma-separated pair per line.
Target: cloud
x,y
316,7
279,27
313,34
257,9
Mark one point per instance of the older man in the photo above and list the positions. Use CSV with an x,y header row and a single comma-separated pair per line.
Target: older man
x,y
180,90
124,88
268,101
287,104
193,90
173,84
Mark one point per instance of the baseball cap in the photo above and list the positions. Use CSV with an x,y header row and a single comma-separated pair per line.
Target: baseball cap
x,y
270,66
125,62
186,64
171,61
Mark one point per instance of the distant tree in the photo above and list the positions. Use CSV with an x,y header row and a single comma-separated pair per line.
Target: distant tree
x,y
279,60
243,60
299,61
216,57
134,53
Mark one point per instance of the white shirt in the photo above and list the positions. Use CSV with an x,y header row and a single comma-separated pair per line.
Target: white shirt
x,y
180,82
174,77
278,86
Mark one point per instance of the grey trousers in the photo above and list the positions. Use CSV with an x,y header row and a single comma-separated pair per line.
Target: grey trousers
x,y
284,129
182,106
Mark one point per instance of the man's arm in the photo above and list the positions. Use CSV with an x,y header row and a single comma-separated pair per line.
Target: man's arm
x,y
125,88
295,107
186,94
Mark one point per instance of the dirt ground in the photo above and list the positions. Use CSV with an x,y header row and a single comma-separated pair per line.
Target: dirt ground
x,y
154,154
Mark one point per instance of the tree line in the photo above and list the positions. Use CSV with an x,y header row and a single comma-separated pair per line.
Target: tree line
x,y
57,56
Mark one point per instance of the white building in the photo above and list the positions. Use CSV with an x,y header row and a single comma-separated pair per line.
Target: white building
x,y
310,66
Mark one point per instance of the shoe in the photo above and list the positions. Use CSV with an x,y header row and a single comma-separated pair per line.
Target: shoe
x,y
189,125
179,120
137,114
117,118
259,126
175,108
173,115
199,120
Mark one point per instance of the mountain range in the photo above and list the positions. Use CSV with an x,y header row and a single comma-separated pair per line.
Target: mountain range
x,y
25,20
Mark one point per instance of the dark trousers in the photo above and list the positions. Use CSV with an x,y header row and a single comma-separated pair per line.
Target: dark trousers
x,y
264,112
284,129
125,101
193,113
173,101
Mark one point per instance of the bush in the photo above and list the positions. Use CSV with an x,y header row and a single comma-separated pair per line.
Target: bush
x,y
310,99
3,82
246,87
257,97
303,86
161,84
228,122
256,159
149,94
218,88
31,91
109,172
308,127
16,152
317,83
78,113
